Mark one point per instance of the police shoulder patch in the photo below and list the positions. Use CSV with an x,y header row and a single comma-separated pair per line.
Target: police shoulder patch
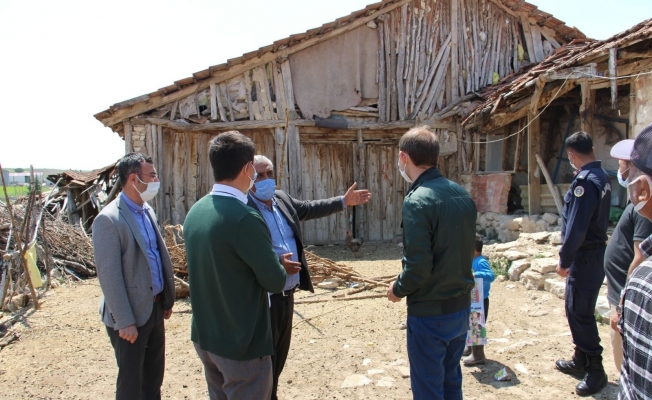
x,y
579,191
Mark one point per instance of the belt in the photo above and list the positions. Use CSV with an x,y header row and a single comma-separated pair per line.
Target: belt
x,y
157,298
286,293
592,246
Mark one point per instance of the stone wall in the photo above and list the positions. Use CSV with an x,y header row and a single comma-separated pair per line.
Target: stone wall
x,y
490,192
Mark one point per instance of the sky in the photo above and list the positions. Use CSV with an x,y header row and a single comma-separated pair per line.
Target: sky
x,y
63,61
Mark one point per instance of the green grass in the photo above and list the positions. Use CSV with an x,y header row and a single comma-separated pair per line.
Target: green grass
x,y
14,191
500,266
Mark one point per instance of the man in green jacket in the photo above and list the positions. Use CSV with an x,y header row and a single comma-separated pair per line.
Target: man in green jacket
x,y
438,245
231,268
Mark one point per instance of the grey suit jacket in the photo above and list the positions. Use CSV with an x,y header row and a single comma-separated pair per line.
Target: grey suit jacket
x,y
297,210
123,267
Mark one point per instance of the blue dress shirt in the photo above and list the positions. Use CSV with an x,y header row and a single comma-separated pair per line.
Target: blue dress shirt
x,y
283,238
147,230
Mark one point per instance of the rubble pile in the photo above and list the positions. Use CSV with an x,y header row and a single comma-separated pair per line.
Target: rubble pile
x,y
533,259
506,228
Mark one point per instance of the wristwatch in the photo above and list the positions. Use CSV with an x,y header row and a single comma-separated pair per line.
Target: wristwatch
x,y
619,309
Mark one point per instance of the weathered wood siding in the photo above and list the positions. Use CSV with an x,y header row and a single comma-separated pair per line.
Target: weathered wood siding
x,y
327,172
382,215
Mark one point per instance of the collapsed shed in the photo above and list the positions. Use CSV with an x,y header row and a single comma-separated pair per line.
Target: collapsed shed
x,y
80,196
601,87
328,106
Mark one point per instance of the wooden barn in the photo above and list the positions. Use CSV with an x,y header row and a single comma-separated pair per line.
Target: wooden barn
x,y
329,105
601,87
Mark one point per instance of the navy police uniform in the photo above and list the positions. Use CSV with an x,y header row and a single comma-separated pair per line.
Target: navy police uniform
x,y
584,235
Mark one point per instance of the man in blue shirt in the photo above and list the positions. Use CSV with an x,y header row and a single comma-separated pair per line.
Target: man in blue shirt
x,y
581,261
137,281
282,214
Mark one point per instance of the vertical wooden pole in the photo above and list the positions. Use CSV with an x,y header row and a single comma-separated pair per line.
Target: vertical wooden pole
x,y
128,137
454,53
48,265
527,32
613,55
161,174
19,244
534,183
359,212
214,114
632,110
586,109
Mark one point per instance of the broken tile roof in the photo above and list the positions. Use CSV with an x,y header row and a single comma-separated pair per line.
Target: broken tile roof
x,y
515,87
514,7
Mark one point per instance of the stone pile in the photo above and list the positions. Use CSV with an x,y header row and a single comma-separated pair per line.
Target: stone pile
x,y
506,228
533,259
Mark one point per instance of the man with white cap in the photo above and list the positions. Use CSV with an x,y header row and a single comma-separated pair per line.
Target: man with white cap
x,y
623,253
635,308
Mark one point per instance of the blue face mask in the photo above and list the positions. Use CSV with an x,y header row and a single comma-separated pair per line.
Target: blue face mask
x,y
265,189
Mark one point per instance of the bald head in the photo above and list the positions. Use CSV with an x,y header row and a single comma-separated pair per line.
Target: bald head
x,y
264,167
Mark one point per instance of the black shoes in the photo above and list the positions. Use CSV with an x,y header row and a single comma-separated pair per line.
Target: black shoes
x,y
576,366
585,367
596,379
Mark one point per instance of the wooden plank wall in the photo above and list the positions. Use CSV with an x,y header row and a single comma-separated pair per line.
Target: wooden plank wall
x,y
383,213
434,52
327,172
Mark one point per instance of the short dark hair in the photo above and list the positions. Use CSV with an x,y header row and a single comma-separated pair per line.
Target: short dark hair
x,y
422,145
228,153
580,142
478,243
131,164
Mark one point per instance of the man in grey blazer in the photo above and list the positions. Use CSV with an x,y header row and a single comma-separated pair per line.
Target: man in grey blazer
x,y
135,273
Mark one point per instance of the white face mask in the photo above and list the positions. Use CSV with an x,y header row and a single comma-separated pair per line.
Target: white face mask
x,y
623,182
253,180
150,192
403,173
571,163
641,204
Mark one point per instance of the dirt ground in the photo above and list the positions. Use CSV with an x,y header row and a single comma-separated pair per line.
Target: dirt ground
x,y
64,351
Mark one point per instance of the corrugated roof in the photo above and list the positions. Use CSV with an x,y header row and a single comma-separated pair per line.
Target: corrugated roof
x,y
511,6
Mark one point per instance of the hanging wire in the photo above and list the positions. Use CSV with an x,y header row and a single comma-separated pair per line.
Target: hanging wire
x,y
553,99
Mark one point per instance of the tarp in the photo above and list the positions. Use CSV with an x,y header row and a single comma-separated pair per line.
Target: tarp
x,y
336,74
30,257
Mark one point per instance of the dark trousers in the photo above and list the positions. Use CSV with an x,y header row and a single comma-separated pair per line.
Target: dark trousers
x,y
580,313
141,365
486,309
281,311
435,346
582,289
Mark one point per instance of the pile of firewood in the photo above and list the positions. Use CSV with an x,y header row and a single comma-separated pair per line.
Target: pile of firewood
x,y
63,251
173,236
328,274
325,273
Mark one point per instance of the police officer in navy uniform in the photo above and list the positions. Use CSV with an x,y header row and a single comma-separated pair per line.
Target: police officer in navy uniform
x,y
581,259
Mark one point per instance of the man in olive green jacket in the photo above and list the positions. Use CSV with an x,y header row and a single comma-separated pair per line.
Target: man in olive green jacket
x,y
231,268
438,244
